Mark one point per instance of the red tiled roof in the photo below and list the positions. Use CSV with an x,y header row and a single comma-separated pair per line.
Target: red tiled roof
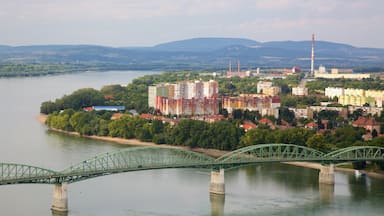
x,y
109,96
283,122
88,108
116,116
249,125
146,116
265,121
311,125
363,121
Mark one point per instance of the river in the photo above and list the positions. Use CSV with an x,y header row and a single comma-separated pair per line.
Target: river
x,y
269,189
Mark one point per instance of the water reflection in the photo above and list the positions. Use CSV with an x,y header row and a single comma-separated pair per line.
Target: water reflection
x,y
217,204
326,192
57,213
291,177
360,187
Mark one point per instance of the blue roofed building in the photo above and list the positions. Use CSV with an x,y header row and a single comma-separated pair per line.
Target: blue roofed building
x,y
108,108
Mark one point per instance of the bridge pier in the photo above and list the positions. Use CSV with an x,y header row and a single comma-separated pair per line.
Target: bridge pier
x,y
217,185
326,175
60,198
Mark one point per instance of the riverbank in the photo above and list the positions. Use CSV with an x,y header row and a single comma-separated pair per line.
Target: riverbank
x,y
133,142
211,152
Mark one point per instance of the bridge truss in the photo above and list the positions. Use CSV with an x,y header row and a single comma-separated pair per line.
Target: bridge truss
x,y
144,158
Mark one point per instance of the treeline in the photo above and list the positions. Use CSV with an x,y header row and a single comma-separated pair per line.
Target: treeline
x,y
328,141
224,135
26,69
370,83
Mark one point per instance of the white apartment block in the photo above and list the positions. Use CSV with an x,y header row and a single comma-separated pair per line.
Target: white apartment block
x,y
182,90
332,92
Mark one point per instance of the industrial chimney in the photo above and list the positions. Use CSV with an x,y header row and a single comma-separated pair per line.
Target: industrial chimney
x,y
313,55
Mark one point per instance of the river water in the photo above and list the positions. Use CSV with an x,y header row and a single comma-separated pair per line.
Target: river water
x,y
268,189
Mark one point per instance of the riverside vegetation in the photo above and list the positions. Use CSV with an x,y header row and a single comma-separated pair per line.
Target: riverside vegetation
x,y
66,114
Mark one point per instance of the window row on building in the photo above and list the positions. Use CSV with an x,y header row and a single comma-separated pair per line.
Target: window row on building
x,y
183,90
356,97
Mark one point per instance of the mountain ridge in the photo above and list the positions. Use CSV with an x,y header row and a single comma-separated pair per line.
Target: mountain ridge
x,y
199,53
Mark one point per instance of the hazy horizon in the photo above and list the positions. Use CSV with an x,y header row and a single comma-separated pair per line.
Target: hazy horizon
x,y
135,23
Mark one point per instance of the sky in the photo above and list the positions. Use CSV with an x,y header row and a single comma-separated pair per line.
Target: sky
x,y
127,23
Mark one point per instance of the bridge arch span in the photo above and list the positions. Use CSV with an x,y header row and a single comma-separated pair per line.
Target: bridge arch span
x,y
270,153
12,173
356,153
133,159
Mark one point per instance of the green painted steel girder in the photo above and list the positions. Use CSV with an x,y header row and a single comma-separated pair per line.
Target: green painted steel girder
x,y
137,158
356,153
272,152
145,158
11,173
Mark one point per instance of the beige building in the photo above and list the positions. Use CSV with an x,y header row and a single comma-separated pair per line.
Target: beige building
x,y
356,100
265,105
272,91
300,91
261,85
306,113
334,75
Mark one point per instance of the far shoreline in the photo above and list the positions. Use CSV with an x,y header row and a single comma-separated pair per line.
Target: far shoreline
x,y
42,118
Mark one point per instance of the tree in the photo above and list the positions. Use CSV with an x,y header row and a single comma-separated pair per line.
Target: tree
x,y
374,133
286,114
378,141
157,127
318,142
83,98
347,136
356,114
237,114
48,107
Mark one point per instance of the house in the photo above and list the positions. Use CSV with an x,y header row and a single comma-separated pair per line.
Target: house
x,y
312,125
284,124
266,121
109,108
368,123
117,116
248,125
104,108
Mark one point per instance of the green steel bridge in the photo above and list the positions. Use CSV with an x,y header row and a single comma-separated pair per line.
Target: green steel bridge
x,y
146,158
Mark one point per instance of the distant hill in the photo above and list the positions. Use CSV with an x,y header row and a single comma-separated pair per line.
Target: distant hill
x,y
204,44
198,53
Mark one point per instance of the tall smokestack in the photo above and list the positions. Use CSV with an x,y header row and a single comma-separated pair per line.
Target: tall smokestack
x,y
238,66
230,67
313,55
